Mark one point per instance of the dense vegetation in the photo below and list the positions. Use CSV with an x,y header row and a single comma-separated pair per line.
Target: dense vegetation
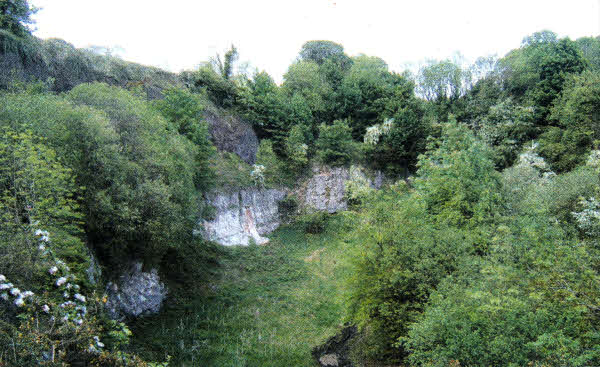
x,y
482,251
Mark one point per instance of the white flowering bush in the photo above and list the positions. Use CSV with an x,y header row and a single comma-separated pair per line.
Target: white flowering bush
x,y
375,132
588,218
358,187
531,158
258,175
594,160
58,324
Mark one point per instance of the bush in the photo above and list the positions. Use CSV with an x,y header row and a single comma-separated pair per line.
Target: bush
x,y
287,207
335,145
136,179
314,223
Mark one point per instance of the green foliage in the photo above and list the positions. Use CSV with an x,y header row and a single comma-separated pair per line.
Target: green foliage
x,y
36,190
442,80
590,48
15,16
303,78
278,172
576,113
334,145
505,128
537,71
530,303
457,180
296,146
183,110
401,258
369,93
313,223
139,196
223,92
357,188
321,51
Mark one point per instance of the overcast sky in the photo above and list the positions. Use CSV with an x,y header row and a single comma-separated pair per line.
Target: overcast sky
x,y
178,34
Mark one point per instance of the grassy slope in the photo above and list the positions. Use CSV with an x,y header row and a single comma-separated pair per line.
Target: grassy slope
x,y
268,306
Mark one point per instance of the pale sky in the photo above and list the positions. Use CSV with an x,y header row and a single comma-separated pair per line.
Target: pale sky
x,y
178,34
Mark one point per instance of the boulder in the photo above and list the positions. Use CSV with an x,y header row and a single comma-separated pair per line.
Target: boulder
x,y
135,293
335,352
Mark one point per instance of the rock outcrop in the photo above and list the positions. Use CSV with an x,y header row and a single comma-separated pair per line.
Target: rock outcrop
x,y
335,352
231,134
325,190
135,293
242,216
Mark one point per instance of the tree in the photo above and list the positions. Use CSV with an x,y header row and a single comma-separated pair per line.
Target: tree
x,y
334,145
367,93
457,179
321,51
442,80
15,16
183,110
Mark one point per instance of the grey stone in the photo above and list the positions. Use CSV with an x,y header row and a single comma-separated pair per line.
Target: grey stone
x,y
242,216
325,190
232,134
135,293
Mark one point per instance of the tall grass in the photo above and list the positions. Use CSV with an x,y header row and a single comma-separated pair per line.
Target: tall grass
x,y
268,305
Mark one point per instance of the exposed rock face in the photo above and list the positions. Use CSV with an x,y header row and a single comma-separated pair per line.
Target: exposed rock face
x,y
326,189
336,350
243,216
232,134
135,293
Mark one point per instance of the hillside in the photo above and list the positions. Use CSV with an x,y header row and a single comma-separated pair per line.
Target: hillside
x,y
349,216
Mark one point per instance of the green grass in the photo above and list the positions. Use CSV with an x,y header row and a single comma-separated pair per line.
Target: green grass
x,y
268,306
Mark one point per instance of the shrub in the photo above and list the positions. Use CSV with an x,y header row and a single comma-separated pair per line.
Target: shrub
x,y
287,207
334,144
314,223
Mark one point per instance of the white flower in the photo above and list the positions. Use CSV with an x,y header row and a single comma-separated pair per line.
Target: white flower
x,y
66,294
53,270
27,294
39,232
100,344
78,321
60,281
45,238
4,296
46,309
2,278
5,286
42,247
69,285
19,301
15,291
79,297
82,310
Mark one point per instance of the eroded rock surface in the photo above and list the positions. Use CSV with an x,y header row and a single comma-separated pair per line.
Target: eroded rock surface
x,y
336,350
135,293
243,216
232,134
326,189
